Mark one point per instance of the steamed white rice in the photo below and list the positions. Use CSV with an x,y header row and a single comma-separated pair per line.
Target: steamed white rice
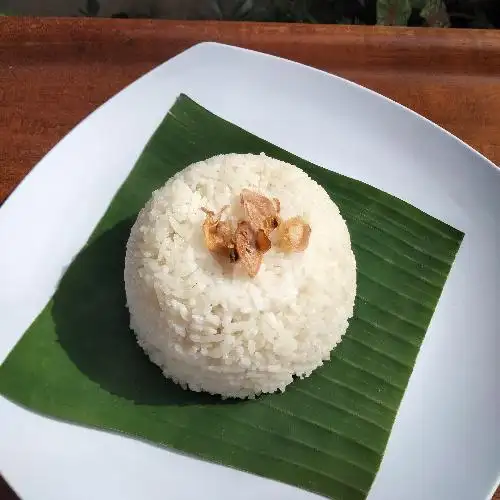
x,y
223,332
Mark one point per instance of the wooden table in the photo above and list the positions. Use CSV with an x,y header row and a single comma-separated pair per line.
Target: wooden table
x,y
54,72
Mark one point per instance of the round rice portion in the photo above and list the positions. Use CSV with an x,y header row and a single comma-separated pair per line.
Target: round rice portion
x,y
222,332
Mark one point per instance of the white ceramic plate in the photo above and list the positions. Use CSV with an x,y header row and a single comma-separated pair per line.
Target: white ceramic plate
x,y
446,440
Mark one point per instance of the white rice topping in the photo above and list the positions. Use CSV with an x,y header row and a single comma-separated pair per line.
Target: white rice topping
x,y
221,331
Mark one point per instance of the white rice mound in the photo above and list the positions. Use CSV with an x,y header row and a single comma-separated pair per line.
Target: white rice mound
x,y
221,331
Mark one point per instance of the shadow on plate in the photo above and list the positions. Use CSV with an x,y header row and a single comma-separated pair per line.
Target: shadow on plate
x,y
92,325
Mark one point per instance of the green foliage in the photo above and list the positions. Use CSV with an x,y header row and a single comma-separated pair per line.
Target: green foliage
x,y
393,12
434,13
398,12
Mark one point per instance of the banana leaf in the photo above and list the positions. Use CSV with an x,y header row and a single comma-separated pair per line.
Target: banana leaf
x,y
79,361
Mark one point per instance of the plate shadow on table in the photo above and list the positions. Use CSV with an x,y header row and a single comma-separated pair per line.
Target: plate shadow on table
x,y
92,326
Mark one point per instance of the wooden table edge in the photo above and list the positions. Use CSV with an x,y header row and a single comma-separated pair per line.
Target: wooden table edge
x,y
33,31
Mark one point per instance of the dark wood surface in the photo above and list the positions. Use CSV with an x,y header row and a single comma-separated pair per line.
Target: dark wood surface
x,y
6,493
54,72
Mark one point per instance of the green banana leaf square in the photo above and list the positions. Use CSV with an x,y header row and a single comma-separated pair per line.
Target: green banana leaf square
x,y
79,360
